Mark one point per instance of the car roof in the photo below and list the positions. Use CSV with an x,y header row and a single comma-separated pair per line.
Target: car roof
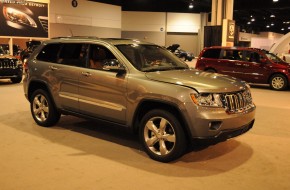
x,y
235,48
113,41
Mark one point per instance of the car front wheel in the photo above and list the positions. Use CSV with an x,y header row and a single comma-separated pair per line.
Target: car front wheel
x,y
278,82
162,136
43,110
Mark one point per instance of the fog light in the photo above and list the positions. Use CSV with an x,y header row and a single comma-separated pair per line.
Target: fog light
x,y
214,125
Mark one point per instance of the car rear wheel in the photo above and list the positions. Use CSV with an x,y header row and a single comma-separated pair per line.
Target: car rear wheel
x,y
162,136
43,110
210,70
278,82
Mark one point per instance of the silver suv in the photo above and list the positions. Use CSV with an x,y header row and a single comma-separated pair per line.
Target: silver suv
x,y
138,85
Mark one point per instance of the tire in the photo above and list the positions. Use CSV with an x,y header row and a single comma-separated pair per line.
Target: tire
x,y
183,58
189,58
278,82
159,127
42,109
210,70
16,80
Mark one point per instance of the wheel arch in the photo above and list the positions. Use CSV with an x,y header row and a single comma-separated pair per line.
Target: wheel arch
x,y
35,85
210,68
146,105
278,73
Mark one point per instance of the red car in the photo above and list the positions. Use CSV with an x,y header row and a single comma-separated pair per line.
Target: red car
x,y
250,64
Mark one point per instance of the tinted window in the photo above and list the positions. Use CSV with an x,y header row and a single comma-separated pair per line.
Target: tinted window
x,y
252,56
232,54
73,54
212,53
49,53
100,56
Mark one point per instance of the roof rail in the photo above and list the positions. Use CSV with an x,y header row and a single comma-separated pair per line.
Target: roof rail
x,y
70,37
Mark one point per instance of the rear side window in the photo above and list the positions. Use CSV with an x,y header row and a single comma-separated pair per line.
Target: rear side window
x,y
232,54
49,53
212,53
73,54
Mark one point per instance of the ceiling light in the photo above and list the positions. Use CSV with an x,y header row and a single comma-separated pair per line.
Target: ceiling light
x,y
253,19
282,29
190,6
267,26
249,22
275,0
272,16
272,24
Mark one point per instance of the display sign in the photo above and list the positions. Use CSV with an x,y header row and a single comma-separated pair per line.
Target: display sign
x,y
23,19
231,31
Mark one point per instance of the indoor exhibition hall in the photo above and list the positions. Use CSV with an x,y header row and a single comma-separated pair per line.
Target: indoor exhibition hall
x,y
144,94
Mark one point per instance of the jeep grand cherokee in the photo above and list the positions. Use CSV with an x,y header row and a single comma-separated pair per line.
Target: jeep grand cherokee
x,y
10,67
141,86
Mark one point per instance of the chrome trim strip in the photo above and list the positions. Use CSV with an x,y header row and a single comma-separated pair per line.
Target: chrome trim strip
x,y
91,101
103,104
69,96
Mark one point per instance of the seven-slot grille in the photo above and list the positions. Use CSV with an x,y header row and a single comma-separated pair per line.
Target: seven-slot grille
x,y
237,102
8,64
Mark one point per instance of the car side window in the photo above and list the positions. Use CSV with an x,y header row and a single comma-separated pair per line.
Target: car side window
x,y
252,57
212,53
49,53
100,56
232,54
73,54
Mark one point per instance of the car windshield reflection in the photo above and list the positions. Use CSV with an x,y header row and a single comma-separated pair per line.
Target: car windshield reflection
x,y
149,58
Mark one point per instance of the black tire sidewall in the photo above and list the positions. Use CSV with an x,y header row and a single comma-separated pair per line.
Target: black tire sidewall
x,y
53,114
180,144
285,82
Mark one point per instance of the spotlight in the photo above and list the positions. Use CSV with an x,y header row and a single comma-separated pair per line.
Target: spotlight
x,y
190,6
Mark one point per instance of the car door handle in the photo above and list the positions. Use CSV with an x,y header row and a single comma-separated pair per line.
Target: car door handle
x,y
53,68
238,64
87,74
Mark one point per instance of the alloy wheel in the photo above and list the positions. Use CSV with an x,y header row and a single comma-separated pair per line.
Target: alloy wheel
x,y
159,136
40,108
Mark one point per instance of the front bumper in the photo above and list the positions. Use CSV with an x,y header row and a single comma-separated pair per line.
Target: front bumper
x,y
216,123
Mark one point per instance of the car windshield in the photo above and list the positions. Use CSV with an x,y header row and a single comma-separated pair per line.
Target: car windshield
x,y
148,58
273,57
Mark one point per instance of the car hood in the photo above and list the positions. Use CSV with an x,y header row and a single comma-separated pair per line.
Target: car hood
x,y
6,56
199,80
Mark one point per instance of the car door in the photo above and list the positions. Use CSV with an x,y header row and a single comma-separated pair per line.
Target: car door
x,y
62,63
228,62
102,93
251,68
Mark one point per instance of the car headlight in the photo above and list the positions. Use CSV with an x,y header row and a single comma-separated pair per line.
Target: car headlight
x,y
17,16
207,99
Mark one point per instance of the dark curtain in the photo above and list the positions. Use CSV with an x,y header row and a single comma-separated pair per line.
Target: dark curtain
x,y
212,36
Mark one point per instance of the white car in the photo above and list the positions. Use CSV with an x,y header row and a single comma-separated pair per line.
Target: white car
x,y
286,57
